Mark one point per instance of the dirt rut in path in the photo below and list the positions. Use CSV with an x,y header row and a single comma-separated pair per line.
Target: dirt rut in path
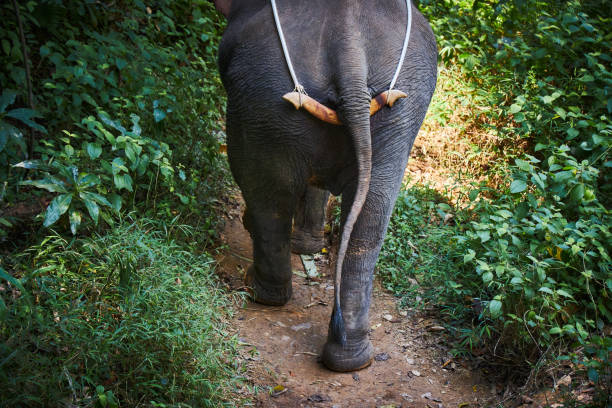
x,y
281,346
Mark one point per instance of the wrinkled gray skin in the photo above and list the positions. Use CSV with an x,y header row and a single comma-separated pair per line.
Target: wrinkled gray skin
x,y
285,161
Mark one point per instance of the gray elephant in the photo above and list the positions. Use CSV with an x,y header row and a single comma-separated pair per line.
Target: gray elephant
x,y
285,161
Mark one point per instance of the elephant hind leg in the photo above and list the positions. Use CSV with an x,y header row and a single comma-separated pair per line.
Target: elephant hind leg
x,y
269,224
308,234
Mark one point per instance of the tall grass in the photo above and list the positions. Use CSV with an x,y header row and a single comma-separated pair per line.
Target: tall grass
x,y
131,318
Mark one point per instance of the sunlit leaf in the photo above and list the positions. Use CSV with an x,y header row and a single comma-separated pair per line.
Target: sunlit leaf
x,y
59,205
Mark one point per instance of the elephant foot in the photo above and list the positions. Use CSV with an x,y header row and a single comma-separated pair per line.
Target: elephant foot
x,y
351,357
264,292
306,243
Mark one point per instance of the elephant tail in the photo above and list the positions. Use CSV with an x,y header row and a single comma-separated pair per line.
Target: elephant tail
x,y
354,108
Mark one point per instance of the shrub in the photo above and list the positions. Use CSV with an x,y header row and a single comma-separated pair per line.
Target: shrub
x,y
121,318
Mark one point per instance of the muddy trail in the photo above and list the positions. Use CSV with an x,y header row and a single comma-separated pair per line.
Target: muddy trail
x,y
280,345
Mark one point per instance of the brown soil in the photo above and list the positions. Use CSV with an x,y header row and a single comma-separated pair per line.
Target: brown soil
x,y
280,346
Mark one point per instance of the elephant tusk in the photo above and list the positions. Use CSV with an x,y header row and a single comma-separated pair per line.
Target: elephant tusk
x,y
385,98
328,115
315,108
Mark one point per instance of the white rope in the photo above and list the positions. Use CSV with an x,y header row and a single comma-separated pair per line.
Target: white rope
x,y
298,87
404,47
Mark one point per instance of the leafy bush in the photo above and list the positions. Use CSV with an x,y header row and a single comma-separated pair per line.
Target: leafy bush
x,y
115,319
107,163
526,264
93,62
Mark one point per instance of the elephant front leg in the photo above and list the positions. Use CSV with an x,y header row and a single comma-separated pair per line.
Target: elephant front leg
x,y
308,234
269,277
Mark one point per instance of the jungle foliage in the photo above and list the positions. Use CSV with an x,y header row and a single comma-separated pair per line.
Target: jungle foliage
x,y
126,101
524,268
111,303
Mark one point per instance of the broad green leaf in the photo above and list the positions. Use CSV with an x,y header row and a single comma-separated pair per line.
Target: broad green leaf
x,y
546,290
92,208
7,99
564,293
118,165
30,164
514,108
518,186
483,235
577,192
504,213
115,201
94,150
58,206
114,124
469,256
523,165
560,111
555,330
495,307
129,152
87,180
572,133
538,179
25,116
159,114
123,181
487,277
69,150
516,281
100,199
75,221
48,183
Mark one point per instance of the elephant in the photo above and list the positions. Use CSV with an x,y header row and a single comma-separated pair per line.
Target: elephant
x,y
287,162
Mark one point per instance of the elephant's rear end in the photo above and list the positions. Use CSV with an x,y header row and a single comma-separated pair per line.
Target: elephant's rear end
x,y
344,52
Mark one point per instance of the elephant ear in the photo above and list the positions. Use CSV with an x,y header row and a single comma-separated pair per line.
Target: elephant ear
x,y
223,6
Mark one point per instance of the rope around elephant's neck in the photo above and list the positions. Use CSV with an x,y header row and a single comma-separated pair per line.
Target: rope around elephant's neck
x,y
404,47
299,88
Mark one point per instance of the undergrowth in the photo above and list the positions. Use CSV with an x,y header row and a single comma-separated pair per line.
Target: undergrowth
x,y
124,112
520,266
130,318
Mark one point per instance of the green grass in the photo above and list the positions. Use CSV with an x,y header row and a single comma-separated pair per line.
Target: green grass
x,y
131,318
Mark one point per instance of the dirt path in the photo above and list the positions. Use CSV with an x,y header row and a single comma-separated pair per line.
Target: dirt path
x,y
281,346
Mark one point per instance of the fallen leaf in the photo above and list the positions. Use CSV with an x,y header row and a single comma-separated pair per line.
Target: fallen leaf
x,y
309,266
416,373
387,317
565,381
278,390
